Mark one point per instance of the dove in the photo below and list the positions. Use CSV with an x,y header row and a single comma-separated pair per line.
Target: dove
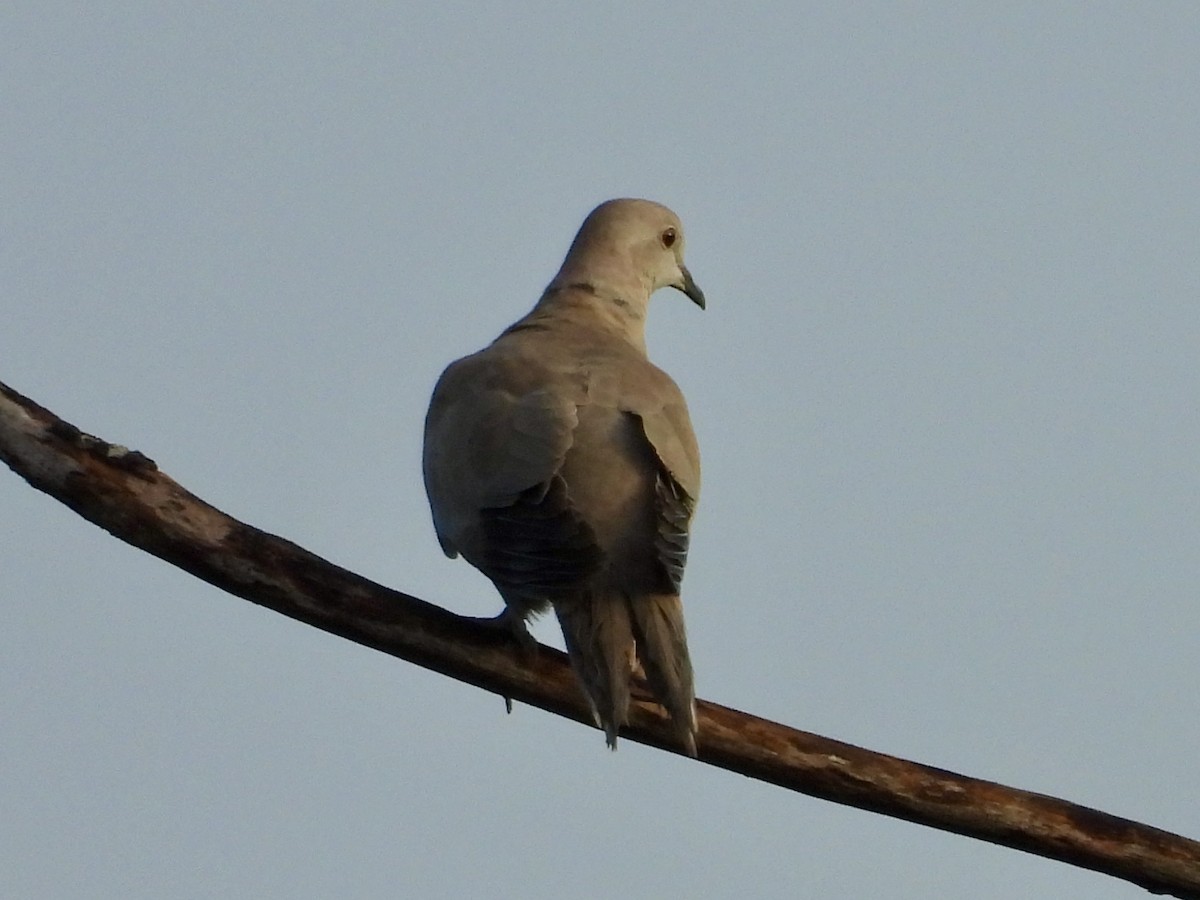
x,y
561,463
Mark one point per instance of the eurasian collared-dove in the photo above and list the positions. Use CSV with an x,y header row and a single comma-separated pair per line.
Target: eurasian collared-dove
x,y
561,463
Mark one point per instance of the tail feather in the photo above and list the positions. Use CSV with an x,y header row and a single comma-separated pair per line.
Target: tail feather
x,y
607,634
599,638
662,648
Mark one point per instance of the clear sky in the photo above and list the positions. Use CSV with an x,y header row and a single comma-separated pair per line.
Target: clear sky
x,y
945,389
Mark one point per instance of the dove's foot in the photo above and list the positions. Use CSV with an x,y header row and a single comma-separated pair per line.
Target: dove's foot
x,y
511,625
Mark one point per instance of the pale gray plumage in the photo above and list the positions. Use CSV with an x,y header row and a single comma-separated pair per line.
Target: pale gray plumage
x,y
562,464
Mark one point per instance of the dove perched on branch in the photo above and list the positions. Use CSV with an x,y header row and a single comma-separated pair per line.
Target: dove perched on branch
x,y
561,463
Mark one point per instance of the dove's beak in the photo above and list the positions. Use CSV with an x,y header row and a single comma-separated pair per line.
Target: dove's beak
x,y
690,287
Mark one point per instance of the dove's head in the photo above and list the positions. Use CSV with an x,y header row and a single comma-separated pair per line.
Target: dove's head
x,y
628,249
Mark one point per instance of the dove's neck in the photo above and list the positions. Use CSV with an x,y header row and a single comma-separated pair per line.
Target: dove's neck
x,y
590,302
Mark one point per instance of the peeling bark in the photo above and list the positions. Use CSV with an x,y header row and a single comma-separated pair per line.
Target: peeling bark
x,y
125,493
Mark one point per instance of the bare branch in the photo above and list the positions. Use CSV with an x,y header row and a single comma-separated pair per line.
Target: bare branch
x,y
124,493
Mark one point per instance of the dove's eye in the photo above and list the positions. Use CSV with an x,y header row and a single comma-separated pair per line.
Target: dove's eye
x,y
668,237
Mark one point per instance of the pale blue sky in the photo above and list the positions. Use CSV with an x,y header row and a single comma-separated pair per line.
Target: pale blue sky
x,y
945,389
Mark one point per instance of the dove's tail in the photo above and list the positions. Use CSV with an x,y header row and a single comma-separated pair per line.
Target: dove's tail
x,y
662,650
599,638
608,634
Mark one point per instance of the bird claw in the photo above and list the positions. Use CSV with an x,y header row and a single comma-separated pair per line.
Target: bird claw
x,y
511,625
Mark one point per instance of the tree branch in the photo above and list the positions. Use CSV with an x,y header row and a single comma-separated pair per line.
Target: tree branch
x,y
124,493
